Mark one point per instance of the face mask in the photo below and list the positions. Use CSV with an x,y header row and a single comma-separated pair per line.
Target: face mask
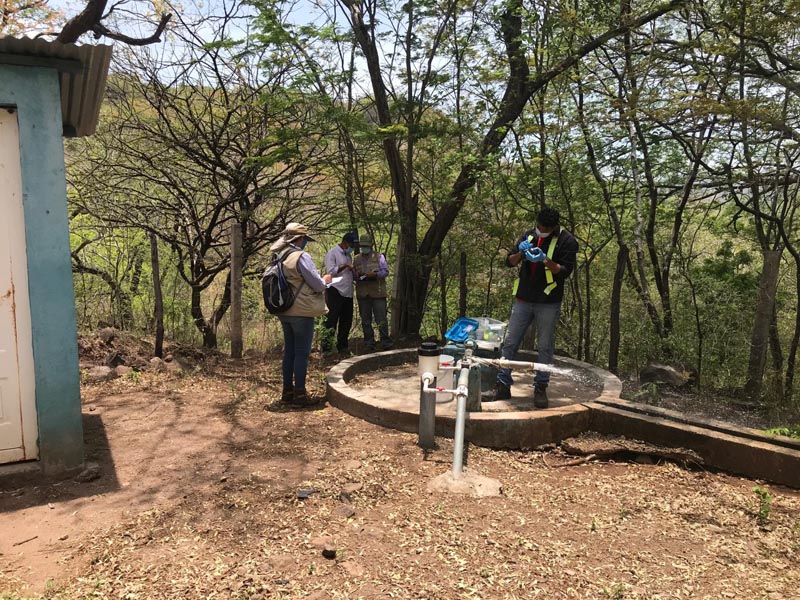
x,y
303,243
348,251
538,233
364,250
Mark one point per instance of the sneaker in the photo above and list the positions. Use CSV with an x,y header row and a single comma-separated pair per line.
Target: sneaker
x,y
287,395
540,397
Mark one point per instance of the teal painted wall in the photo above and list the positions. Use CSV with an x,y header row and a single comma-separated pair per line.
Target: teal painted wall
x,y
35,92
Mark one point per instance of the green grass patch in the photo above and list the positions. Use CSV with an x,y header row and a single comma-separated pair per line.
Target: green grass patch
x,y
792,431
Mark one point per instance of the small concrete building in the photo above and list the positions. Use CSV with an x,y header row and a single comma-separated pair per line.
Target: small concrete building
x,y
47,91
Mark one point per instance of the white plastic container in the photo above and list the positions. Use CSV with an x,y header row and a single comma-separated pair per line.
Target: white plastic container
x,y
490,333
444,378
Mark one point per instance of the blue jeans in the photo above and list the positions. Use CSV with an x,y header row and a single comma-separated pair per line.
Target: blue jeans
x,y
522,315
374,307
298,334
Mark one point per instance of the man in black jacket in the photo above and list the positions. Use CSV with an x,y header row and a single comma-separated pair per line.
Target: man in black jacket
x,y
546,256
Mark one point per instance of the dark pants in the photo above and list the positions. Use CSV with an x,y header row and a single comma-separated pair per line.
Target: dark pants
x,y
298,333
374,307
339,320
546,316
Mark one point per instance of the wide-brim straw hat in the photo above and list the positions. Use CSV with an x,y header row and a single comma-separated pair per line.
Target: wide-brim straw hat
x,y
296,230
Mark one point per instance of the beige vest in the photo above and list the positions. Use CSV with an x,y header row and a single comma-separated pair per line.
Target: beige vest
x,y
369,288
308,303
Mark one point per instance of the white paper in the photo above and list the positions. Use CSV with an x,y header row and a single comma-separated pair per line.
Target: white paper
x,y
334,280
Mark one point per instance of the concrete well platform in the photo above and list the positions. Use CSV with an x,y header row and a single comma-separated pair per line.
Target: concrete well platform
x,y
383,388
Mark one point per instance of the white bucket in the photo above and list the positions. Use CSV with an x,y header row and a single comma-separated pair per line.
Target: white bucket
x,y
445,378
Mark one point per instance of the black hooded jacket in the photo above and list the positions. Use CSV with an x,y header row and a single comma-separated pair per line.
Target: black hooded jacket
x,y
532,277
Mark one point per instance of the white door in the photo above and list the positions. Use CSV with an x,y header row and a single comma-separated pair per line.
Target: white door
x,y
17,399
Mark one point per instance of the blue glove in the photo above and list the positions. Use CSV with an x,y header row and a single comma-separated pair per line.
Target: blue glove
x,y
535,255
524,246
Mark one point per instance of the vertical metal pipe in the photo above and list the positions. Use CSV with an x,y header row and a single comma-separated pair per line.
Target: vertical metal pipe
x,y
427,417
428,353
461,417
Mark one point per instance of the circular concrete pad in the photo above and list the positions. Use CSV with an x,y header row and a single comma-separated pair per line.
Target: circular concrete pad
x,y
384,388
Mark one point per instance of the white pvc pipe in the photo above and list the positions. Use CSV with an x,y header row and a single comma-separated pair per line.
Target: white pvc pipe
x,y
504,363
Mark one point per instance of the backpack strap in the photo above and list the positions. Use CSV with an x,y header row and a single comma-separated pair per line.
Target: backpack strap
x,y
286,253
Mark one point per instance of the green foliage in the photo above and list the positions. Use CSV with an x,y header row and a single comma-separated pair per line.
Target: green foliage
x,y
616,592
792,431
765,499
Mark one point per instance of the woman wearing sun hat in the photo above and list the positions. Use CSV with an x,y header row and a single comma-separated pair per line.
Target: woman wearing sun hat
x,y
298,321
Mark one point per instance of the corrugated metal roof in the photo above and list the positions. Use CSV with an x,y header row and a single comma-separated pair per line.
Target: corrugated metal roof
x,y
82,73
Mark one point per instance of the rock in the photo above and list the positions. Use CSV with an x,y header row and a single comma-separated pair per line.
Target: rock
x,y
352,568
122,370
89,473
178,365
168,358
352,488
351,465
114,359
469,483
282,562
329,552
107,335
345,511
304,494
156,364
661,373
321,542
101,373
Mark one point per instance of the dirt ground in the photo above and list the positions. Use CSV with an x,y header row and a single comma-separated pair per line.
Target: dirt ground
x,y
202,475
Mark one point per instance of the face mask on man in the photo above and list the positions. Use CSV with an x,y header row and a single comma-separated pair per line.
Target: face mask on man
x,y
348,251
303,243
364,250
538,233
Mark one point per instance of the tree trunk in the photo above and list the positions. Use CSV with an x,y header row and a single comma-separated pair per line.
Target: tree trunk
x,y
616,294
236,290
791,359
158,310
442,298
759,340
126,300
206,330
585,314
462,286
775,341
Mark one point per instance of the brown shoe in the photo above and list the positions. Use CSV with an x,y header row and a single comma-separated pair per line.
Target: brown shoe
x,y
301,398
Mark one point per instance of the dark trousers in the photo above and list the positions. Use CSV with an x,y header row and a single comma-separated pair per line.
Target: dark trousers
x,y
338,321
298,334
